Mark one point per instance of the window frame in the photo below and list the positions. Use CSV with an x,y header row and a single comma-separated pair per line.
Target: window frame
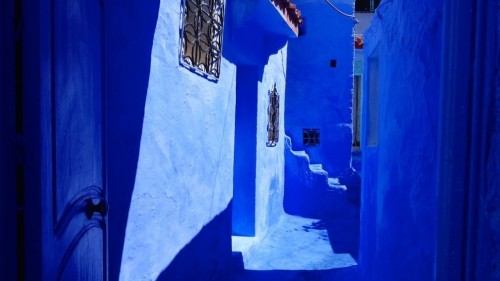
x,y
201,34
273,115
356,111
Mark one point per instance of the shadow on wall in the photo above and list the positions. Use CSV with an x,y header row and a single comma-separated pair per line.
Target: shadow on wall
x,y
244,151
207,256
130,31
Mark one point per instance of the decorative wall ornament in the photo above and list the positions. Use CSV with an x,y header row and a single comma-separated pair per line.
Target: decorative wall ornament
x,y
273,111
310,137
201,36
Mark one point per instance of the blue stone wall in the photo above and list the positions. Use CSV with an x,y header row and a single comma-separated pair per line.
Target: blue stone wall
x,y
269,180
256,41
258,169
245,157
205,257
491,208
185,162
193,140
399,141
318,95
369,123
130,28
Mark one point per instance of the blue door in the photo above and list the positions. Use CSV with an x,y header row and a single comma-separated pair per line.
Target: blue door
x,y
77,246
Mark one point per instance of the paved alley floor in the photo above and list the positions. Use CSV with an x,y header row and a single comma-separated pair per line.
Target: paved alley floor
x,y
304,249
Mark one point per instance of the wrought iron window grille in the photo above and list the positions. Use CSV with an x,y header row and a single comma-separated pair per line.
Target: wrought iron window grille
x,y
273,111
310,137
201,36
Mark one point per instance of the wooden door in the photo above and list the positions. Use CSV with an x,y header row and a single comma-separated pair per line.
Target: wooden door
x,y
78,200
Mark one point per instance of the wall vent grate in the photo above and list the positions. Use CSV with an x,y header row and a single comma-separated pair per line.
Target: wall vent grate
x,y
310,137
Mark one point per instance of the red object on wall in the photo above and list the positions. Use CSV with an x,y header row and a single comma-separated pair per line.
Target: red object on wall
x,y
358,42
292,15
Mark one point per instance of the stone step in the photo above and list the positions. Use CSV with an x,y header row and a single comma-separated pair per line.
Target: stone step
x,y
300,153
316,167
334,185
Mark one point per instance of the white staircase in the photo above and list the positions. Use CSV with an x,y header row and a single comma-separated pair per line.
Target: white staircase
x,y
314,171
309,189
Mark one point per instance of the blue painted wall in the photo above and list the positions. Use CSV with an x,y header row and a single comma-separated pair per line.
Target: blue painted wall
x,y
205,257
399,141
494,164
258,196
130,27
369,123
172,136
256,41
269,180
310,193
490,262
245,157
489,258
184,169
320,96
179,219
493,172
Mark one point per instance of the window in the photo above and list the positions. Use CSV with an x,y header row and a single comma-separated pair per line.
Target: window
x,y
273,111
310,137
202,36
356,112
367,5
373,102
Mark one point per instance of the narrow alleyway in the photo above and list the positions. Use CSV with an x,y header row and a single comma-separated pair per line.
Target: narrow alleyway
x,y
305,249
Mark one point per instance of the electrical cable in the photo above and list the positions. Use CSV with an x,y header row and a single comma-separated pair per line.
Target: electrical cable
x,y
340,12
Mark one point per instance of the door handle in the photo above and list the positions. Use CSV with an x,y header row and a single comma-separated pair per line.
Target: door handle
x,y
101,207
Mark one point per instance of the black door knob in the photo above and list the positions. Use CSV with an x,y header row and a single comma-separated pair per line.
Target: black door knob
x,y
100,207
